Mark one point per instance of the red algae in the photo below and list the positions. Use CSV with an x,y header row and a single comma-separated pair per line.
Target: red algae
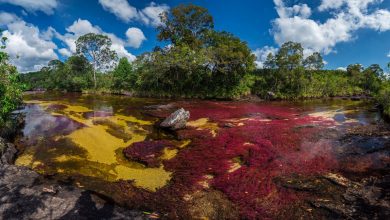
x,y
147,152
267,149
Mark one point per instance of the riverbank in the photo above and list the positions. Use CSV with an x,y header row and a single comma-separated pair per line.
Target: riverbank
x,y
25,194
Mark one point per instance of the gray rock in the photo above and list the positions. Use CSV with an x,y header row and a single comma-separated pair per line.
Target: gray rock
x,y
271,95
25,195
176,120
7,152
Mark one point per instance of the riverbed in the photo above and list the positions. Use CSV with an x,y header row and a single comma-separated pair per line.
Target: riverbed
x,y
234,159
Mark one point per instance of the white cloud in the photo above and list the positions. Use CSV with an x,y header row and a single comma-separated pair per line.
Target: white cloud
x,y
151,14
46,6
81,27
6,18
388,55
65,52
262,53
135,37
127,13
120,8
26,45
346,16
342,68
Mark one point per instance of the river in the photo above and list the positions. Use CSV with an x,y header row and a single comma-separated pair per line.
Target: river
x,y
234,160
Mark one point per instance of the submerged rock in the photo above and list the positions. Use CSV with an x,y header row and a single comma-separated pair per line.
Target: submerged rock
x,y
24,195
343,198
176,120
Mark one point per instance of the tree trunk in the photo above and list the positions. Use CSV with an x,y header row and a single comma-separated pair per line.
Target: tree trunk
x,y
94,79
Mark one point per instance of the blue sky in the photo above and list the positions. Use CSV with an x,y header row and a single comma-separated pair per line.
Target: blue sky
x,y
344,31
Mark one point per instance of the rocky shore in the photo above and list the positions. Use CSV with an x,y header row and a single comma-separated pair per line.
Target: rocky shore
x,y
24,194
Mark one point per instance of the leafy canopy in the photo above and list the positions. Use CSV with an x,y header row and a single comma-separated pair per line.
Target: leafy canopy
x,y
96,48
186,24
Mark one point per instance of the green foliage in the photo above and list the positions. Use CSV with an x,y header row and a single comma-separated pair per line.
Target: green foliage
x,y
200,62
124,76
289,76
186,24
96,48
74,75
10,86
383,97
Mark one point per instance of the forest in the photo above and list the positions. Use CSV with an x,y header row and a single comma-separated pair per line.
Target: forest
x,y
197,62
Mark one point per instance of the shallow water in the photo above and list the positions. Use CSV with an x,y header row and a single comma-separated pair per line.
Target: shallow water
x,y
237,148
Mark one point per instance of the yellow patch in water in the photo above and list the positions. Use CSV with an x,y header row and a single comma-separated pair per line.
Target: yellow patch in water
x,y
185,143
102,149
204,124
148,178
169,153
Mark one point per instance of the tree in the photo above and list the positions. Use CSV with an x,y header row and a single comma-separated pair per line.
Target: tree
x,y
10,87
186,24
373,75
230,60
314,62
96,48
355,69
55,64
124,77
270,62
289,56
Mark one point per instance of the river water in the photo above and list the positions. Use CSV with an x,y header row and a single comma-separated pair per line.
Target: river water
x,y
234,159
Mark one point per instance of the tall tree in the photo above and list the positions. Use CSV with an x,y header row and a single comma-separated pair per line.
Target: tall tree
x,y
290,56
314,62
186,24
355,69
124,77
55,64
10,87
270,62
96,48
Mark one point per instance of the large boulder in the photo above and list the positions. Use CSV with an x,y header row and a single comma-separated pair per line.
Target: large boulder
x,y
7,152
176,120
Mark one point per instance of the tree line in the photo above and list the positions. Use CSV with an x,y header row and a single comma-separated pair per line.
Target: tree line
x,y
201,62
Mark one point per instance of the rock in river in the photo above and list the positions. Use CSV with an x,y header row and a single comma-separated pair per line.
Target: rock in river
x,y
176,120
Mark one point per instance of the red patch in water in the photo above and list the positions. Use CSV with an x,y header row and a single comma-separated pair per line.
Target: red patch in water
x,y
147,152
266,149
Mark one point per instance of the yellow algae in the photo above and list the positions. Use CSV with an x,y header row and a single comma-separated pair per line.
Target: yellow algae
x,y
147,178
24,160
185,143
132,119
204,124
101,140
235,166
169,153
198,123
100,145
